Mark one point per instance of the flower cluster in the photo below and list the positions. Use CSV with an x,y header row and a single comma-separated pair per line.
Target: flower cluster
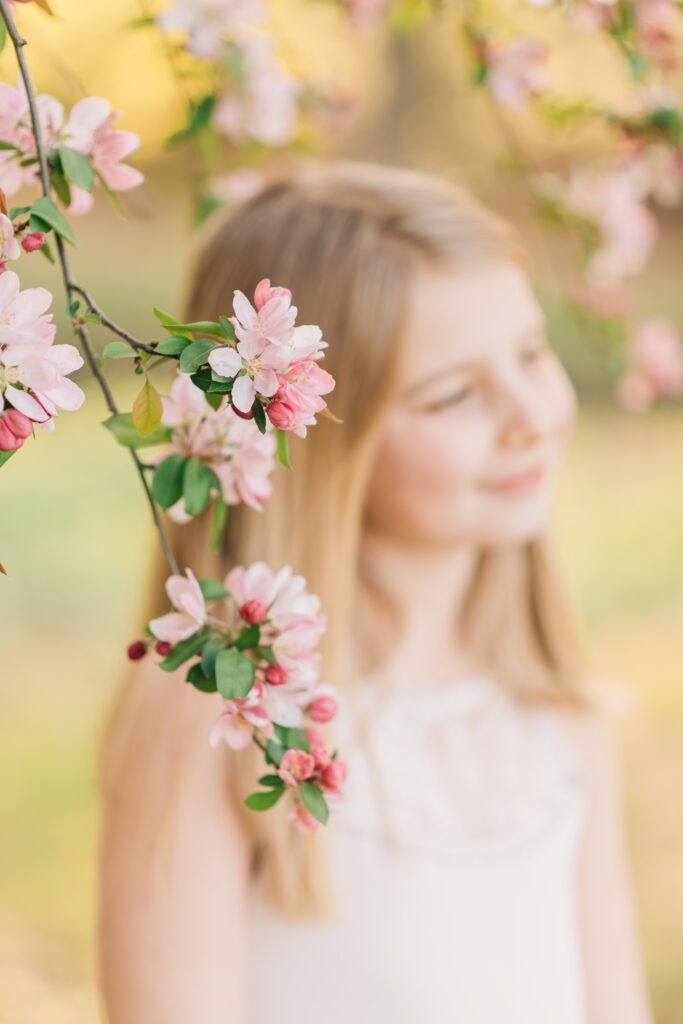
x,y
34,381
84,145
274,360
240,457
655,365
261,656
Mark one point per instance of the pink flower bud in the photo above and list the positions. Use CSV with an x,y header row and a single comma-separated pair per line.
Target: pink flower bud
x,y
281,415
33,242
276,675
323,709
137,650
253,611
333,776
15,427
295,766
264,293
162,647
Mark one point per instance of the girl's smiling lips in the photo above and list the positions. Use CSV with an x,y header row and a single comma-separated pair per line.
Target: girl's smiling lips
x,y
518,481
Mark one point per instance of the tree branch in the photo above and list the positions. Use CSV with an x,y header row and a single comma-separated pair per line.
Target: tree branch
x,y
70,285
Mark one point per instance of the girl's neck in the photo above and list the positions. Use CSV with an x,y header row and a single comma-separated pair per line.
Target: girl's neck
x,y
410,603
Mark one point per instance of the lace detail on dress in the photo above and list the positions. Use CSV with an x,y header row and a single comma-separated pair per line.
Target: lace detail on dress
x,y
457,770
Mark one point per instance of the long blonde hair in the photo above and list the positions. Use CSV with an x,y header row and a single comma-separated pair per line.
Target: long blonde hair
x,y
348,240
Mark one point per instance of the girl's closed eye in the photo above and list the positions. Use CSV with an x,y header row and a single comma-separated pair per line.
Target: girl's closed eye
x,y
455,398
534,353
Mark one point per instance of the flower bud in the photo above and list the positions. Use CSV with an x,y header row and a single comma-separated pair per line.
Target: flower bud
x,y
322,709
33,242
281,415
244,415
137,650
162,647
333,776
276,675
253,611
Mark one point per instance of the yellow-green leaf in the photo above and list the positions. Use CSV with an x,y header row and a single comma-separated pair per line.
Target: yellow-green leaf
x,y
147,409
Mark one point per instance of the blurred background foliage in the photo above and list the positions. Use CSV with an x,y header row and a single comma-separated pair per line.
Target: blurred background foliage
x,y
74,530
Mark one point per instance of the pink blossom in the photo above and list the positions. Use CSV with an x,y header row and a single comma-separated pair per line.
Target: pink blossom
x,y
209,24
301,818
613,201
242,458
9,247
264,106
14,429
186,596
295,766
318,749
656,26
656,364
515,71
268,343
298,396
88,129
236,725
333,776
33,371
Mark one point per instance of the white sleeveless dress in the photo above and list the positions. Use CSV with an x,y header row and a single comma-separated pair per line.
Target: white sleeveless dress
x,y
455,856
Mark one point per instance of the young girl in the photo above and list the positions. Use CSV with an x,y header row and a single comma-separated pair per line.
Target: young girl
x,y
475,871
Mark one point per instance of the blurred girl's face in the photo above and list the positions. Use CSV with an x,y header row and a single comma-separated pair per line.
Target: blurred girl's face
x,y
474,439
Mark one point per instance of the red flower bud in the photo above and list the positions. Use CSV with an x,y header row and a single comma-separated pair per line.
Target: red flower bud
x,y
137,650
253,611
276,675
245,415
322,709
33,242
281,415
162,647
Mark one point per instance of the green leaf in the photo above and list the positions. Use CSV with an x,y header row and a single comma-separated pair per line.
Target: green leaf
x,y
121,426
73,308
249,637
202,378
182,651
227,328
196,676
4,456
220,514
271,780
212,590
267,654
47,252
259,415
46,211
282,447
10,145
118,350
172,346
314,801
3,36
274,753
294,738
196,327
60,184
209,655
77,168
147,409
263,801
200,113
234,673
197,483
195,355
167,482
16,211
220,387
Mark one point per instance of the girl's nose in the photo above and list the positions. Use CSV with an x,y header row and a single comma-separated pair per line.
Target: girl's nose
x,y
528,417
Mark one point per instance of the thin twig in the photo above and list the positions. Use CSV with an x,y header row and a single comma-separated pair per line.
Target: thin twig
x,y
114,327
70,285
